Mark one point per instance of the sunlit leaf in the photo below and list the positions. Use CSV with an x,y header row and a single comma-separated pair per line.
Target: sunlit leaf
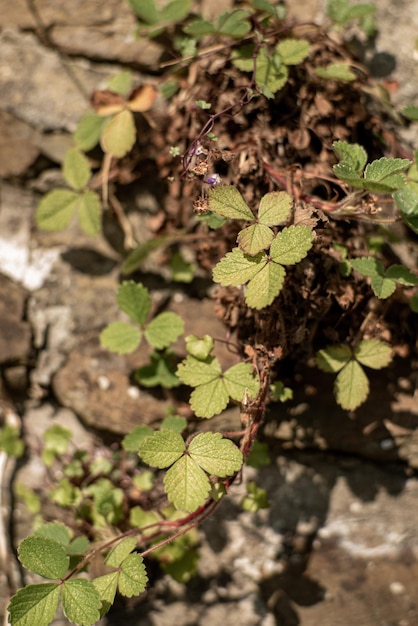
x,y
368,266
34,604
76,169
119,134
106,587
293,51
164,329
373,353
236,268
132,440
199,347
175,11
348,175
271,73
56,209
186,484
120,551
174,422
382,287
194,372
133,576
407,202
291,245
134,299
121,83
333,358
146,11
57,531
215,455
142,98
44,556
88,131
385,175
274,208
239,380
265,287
209,399
336,71
255,238
89,213
120,337
351,386
402,275
228,202
234,24
162,449
353,155
81,602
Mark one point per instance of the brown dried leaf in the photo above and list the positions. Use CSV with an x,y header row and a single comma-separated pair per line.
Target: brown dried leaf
x,y
142,98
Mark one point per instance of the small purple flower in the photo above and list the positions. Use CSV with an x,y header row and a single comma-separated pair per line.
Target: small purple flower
x,y
213,180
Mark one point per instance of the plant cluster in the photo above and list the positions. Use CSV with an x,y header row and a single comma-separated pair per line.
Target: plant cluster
x,y
266,249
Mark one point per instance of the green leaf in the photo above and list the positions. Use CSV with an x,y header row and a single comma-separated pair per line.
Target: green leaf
x,y
159,371
131,441
162,449
215,455
175,11
259,455
255,499
57,532
361,10
351,386
382,287
402,275
265,287
76,169
120,337
411,112
135,259
336,71
78,546
228,202
89,213
353,155
199,348
81,602
235,24
121,83
293,51
174,422
199,28
106,587
255,238
368,266
119,134
56,209
270,73
385,175
333,358
43,556
133,576
348,175
240,380
237,268
195,372
274,208
373,353
134,300
119,552
337,10
146,11
183,272
164,329
11,441
186,484
407,202
243,58
209,399
34,604
140,518
88,131
291,245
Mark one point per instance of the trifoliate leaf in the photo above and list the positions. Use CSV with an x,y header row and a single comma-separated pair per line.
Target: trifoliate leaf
x,y
88,131
274,208
237,268
120,337
352,155
255,238
209,399
89,213
162,449
373,353
263,289
239,380
195,372
43,556
336,71
56,531
402,275
228,202
76,169
106,587
271,73
291,245
164,329
119,552
81,602
119,134
215,455
385,175
134,299
131,441
133,576
293,51
351,386
56,209
333,358
199,348
368,266
186,484
407,202
34,604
